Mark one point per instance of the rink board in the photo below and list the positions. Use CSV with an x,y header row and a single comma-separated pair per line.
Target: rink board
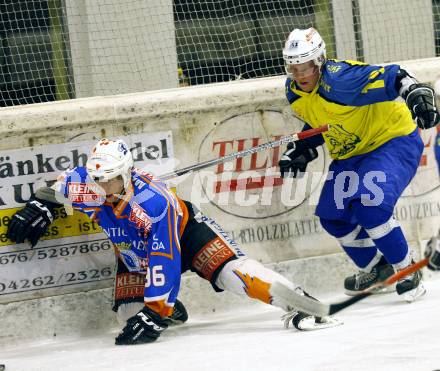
x,y
272,221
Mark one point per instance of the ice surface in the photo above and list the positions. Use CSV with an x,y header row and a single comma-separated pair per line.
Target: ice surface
x,y
380,333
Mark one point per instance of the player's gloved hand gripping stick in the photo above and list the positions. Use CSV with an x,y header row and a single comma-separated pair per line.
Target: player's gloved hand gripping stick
x,y
262,147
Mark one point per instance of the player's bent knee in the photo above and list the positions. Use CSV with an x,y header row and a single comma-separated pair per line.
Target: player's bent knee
x,y
249,277
337,228
371,216
329,225
246,276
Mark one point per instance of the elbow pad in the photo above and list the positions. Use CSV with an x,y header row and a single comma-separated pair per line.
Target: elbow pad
x,y
403,82
420,99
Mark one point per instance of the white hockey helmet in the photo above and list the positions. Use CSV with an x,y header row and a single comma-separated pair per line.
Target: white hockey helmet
x,y
109,159
303,46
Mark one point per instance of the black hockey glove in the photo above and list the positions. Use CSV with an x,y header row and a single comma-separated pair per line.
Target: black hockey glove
x,y
144,327
432,252
420,100
296,159
30,223
179,315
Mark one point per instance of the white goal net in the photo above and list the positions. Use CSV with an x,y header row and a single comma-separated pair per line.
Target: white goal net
x,y
64,49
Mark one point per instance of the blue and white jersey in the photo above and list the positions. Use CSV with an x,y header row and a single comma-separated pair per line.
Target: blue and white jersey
x,y
144,226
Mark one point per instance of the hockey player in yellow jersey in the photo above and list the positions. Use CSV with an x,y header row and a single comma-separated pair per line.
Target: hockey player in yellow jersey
x,y
375,145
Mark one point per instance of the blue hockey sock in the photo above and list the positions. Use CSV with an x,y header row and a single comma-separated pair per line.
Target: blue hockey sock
x,y
355,241
362,250
386,233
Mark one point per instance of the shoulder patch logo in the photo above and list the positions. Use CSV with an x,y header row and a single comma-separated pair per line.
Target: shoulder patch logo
x,y
333,68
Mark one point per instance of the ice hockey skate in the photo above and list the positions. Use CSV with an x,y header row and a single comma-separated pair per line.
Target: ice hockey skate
x,y
411,287
303,321
363,280
308,322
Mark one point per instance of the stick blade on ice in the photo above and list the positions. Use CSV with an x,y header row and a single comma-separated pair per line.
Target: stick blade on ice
x,y
298,301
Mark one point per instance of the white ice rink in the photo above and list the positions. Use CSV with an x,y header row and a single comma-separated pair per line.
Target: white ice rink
x,y
380,333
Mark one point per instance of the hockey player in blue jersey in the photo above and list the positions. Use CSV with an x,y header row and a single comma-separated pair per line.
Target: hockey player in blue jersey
x,y
157,236
375,146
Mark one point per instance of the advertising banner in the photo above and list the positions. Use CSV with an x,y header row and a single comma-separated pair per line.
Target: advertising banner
x,y
74,254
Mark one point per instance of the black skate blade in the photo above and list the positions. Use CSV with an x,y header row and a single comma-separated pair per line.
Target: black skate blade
x,y
377,291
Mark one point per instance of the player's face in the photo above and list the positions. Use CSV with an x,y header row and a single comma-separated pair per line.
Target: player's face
x,y
112,188
306,75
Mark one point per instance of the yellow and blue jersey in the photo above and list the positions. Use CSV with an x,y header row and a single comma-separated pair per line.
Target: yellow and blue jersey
x,y
144,226
358,101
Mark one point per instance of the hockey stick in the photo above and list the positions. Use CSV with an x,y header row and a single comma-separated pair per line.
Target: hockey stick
x,y
317,308
262,147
